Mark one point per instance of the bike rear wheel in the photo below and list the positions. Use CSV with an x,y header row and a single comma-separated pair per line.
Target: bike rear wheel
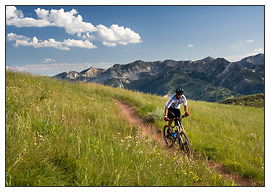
x,y
184,143
168,136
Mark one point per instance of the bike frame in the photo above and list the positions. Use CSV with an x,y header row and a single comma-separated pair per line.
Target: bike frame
x,y
179,126
181,136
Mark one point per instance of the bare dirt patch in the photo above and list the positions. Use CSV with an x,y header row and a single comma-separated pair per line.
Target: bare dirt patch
x,y
130,115
239,180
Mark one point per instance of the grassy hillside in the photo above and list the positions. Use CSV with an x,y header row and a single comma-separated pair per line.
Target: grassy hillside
x,y
195,88
71,134
256,100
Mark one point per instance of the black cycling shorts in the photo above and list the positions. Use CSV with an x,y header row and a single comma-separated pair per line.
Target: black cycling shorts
x,y
172,112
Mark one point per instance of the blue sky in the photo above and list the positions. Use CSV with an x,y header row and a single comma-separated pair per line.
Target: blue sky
x,y
51,39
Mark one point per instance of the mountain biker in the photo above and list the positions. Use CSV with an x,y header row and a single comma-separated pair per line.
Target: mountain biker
x,y
172,106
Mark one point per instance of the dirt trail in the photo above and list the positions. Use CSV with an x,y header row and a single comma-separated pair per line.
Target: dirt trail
x,y
130,115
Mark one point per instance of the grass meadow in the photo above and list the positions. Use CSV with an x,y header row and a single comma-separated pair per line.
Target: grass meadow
x,y
71,134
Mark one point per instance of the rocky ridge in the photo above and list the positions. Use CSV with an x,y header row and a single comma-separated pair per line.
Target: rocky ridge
x,y
207,79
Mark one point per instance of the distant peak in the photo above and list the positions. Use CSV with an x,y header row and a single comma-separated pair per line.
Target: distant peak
x,y
208,59
72,72
139,60
255,59
89,69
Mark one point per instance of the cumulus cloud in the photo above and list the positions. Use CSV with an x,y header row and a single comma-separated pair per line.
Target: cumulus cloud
x,y
69,20
16,18
12,12
73,23
190,45
13,37
117,35
21,40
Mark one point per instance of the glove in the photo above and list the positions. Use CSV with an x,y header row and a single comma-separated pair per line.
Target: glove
x,y
186,114
166,118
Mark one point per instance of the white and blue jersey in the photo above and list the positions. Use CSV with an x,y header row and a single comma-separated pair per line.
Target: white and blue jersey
x,y
173,102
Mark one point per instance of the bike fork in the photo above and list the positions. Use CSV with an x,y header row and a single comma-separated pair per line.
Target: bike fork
x,y
180,139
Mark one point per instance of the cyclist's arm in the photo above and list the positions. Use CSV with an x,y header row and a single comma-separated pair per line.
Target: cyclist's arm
x,y
167,106
186,109
185,105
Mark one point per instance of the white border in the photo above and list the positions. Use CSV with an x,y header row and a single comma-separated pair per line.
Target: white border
x,y
126,2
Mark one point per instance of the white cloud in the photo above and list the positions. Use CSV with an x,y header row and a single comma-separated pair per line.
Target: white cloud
x,y
249,41
56,68
117,35
234,58
190,45
69,20
13,37
48,60
259,50
109,44
78,43
73,23
21,40
16,18
12,12
240,45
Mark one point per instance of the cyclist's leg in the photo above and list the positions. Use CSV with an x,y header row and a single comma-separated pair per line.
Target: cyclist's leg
x,y
171,116
177,114
169,124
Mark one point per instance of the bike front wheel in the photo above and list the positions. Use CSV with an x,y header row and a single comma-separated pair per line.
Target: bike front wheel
x,y
168,136
184,143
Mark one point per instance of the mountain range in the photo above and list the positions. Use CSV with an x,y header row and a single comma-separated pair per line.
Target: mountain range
x,y
208,79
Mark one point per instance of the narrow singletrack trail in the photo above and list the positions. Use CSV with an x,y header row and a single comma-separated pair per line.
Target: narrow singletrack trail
x,y
128,113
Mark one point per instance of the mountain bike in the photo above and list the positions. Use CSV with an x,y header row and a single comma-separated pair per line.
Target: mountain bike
x,y
171,135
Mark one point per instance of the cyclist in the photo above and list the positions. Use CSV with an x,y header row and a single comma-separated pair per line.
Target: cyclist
x,y
173,105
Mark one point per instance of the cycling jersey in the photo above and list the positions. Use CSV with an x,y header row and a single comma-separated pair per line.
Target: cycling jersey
x,y
173,102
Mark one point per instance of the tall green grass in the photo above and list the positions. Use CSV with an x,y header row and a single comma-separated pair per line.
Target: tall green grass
x,y
71,134
231,135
